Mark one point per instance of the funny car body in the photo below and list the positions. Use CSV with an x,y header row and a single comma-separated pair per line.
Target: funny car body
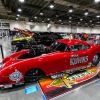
x,y
63,56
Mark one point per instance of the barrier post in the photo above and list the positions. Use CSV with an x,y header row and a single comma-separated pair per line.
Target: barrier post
x,y
2,52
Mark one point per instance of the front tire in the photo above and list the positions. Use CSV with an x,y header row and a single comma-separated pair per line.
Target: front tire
x,y
32,75
95,60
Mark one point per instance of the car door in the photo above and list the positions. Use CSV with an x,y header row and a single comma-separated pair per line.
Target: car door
x,y
78,56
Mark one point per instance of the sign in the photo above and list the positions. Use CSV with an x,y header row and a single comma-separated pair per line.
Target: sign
x,y
31,89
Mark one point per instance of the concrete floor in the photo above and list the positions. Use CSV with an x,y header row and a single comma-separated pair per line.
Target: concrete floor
x,y
90,92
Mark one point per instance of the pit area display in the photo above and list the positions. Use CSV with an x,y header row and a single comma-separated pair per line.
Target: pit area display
x,y
53,88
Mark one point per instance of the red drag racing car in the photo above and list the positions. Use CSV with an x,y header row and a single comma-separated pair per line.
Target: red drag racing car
x,y
63,56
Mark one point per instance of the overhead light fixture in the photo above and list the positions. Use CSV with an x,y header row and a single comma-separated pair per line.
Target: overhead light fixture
x,y
92,24
18,15
52,4
41,12
69,21
86,12
57,15
21,0
90,20
31,20
98,22
60,20
42,20
78,22
48,19
19,8
97,1
81,19
17,18
35,17
98,16
70,9
70,17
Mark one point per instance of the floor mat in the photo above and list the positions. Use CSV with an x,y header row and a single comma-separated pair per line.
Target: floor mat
x,y
55,88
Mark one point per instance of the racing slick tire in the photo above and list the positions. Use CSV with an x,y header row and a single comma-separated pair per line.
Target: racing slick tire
x,y
95,60
33,75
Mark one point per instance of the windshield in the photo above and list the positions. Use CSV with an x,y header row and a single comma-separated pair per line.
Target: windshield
x,y
58,46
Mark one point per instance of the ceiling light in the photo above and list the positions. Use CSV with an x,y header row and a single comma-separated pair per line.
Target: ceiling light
x,y
18,15
52,4
31,20
41,12
35,17
48,19
90,20
92,24
70,17
81,19
78,22
19,8
42,20
98,22
21,0
69,21
97,1
17,18
60,20
98,16
70,9
86,12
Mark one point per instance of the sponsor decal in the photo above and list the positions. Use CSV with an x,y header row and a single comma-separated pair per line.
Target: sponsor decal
x,y
78,60
68,81
19,84
16,76
8,86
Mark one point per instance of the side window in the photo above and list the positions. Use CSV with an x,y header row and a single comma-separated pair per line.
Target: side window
x,y
61,47
76,47
84,47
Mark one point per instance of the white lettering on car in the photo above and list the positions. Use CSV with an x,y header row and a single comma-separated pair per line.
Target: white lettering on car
x,y
79,60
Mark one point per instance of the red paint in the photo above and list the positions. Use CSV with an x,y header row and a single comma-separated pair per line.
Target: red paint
x,y
49,63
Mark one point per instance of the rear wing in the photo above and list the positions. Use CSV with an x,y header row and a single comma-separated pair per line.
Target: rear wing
x,y
24,32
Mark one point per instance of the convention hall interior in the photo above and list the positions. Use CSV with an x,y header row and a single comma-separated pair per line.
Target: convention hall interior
x,y
49,49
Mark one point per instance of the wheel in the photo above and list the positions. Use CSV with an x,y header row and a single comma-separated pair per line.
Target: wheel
x,y
95,60
32,75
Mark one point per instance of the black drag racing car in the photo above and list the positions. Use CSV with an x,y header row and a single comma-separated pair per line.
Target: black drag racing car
x,y
45,38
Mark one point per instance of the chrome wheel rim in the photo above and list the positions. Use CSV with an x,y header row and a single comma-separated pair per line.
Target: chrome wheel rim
x,y
95,58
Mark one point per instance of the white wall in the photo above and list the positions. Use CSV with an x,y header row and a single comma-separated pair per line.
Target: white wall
x,y
42,27
61,29
83,29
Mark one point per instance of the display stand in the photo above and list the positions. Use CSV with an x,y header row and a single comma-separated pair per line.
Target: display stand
x,y
54,89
